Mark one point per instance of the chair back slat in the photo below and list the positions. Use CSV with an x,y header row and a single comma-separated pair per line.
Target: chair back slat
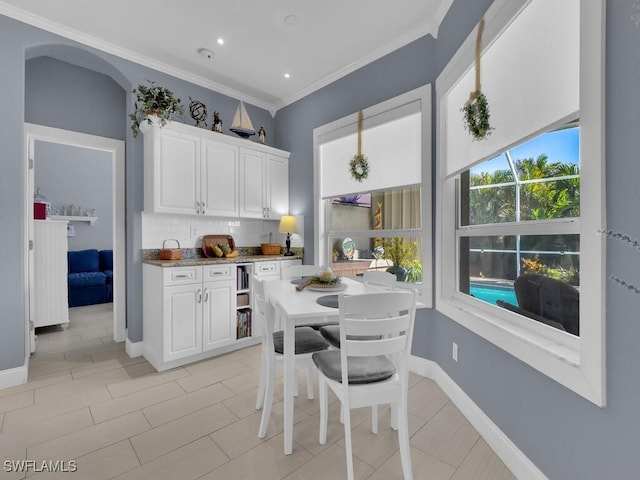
x,y
372,348
296,271
377,326
377,304
376,277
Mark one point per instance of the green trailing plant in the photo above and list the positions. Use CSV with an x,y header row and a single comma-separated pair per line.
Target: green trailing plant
x,y
154,100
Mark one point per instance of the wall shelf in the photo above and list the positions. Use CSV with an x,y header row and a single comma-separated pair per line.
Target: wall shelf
x,y
70,218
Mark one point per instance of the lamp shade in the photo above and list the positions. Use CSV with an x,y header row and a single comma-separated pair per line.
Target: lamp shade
x,y
288,224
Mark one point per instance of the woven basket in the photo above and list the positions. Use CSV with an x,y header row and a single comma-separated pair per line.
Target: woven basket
x,y
170,253
270,248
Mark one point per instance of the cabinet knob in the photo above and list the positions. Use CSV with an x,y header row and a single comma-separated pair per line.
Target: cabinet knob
x,y
203,208
206,295
199,295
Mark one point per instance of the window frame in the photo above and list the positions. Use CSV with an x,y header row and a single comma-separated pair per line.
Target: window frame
x,y
345,126
576,363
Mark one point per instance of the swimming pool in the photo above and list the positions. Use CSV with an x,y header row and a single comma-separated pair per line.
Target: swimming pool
x,y
492,293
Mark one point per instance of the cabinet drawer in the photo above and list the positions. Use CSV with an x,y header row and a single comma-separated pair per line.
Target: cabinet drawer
x,y
267,269
217,273
182,275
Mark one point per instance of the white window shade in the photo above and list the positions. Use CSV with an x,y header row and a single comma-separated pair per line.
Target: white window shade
x,y
527,92
393,151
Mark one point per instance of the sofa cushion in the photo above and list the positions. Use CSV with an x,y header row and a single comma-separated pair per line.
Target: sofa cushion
x,y
87,279
106,260
109,274
83,261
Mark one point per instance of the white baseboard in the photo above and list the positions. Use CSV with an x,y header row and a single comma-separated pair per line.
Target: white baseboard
x,y
505,449
133,349
14,376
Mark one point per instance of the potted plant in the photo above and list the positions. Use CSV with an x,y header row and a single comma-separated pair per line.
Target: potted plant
x,y
401,253
154,100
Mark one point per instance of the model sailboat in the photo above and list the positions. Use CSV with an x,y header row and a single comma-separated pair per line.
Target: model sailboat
x,y
241,124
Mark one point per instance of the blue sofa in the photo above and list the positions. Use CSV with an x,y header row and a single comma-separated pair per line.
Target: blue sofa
x,y
90,277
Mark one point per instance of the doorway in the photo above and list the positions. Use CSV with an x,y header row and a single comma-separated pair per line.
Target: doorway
x,y
113,153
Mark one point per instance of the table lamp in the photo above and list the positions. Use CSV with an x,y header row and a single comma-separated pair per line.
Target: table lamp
x,y
288,226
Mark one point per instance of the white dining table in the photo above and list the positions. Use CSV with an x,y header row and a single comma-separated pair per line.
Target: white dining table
x,y
295,308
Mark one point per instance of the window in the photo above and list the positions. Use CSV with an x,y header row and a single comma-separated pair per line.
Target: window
x,y
510,205
518,216
382,222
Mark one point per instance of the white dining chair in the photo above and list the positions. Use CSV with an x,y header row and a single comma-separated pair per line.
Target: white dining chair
x,y
332,332
299,271
307,341
378,277
370,372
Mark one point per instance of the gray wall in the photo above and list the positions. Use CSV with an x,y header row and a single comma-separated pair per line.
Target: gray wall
x,y
69,175
566,436
77,104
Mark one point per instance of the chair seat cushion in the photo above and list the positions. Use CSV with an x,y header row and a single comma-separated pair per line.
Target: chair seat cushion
x,y
362,370
86,279
332,334
307,341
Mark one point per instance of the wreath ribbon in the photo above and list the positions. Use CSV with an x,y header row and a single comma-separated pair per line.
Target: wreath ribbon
x,y
475,93
360,133
476,109
358,166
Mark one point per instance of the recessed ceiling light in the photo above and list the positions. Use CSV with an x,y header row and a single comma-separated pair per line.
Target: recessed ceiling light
x,y
220,41
287,75
206,53
291,20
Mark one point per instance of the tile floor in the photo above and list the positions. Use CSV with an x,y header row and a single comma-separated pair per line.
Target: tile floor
x,y
115,417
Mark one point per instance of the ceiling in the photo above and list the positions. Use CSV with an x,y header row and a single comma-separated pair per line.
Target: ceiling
x,y
315,42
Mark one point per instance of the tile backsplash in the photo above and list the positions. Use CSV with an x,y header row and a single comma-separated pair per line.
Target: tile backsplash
x,y
189,230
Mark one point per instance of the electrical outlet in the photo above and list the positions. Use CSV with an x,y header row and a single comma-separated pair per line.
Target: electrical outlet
x,y
194,231
454,352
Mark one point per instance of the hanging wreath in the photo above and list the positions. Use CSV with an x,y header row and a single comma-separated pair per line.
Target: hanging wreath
x,y
476,109
476,116
358,165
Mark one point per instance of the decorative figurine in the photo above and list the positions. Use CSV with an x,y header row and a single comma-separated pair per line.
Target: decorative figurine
x,y
262,135
241,124
217,123
198,112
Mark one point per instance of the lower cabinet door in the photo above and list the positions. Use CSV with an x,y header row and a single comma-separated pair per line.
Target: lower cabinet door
x,y
217,321
182,323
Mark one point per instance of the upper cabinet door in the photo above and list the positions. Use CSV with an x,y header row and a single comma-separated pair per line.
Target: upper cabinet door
x,y
174,160
277,186
219,179
252,184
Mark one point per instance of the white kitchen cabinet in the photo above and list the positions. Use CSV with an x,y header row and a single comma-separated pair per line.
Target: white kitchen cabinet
x,y
277,190
172,170
219,179
194,171
181,322
49,299
264,187
219,294
189,313
252,184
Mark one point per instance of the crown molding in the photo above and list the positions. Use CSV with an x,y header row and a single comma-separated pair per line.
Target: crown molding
x,y
110,48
